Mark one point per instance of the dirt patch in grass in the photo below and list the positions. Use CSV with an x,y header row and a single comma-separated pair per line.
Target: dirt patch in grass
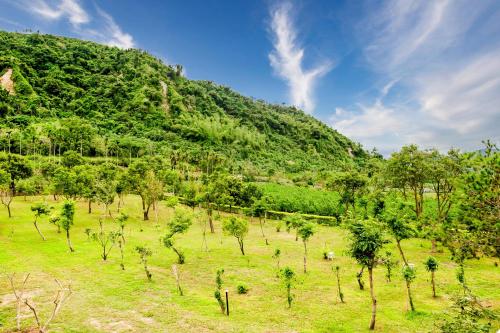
x,y
8,299
112,327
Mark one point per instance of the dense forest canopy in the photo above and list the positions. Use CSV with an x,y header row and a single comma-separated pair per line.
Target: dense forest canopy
x,y
70,94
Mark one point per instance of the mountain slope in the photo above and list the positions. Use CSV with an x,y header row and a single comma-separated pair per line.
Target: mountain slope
x,y
73,94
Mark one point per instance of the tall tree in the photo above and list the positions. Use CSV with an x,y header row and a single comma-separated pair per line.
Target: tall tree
x,y
67,219
444,171
479,197
350,185
409,169
367,240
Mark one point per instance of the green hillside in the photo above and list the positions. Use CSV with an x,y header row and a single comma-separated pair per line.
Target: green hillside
x,y
76,95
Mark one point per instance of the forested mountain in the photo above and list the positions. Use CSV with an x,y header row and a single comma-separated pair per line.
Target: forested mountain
x,y
63,94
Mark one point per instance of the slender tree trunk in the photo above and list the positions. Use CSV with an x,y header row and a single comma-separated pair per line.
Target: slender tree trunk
x,y
8,210
359,276
410,299
340,292
69,241
305,257
180,259
121,255
210,221
374,300
433,284
37,229
398,243
262,230
146,213
241,246
90,206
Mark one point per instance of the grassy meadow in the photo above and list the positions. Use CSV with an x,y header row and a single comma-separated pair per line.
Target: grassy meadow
x,y
107,299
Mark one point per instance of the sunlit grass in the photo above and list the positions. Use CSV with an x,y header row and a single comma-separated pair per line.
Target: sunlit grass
x,y
108,299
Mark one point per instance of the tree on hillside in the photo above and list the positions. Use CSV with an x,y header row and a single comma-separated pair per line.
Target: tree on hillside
x,y
367,240
179,224
71,159
67,219
105,185
190,191
66,182
40,209
350,185
208,196
444,171
259,209
30,186
294,221
409,169
145,182
236,227
17,167
86,177
305,232
6,194
398,222
479,202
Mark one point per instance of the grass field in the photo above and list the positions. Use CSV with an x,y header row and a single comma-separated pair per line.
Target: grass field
x,y
107,299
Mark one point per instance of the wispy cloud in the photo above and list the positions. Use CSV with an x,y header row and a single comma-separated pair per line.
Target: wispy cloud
x,y
70,9
443,60
101,27
287,59
114,35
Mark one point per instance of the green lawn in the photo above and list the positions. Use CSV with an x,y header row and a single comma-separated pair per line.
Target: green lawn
x,y
107,299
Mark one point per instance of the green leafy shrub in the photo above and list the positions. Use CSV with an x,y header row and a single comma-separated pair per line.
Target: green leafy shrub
x,y
242,289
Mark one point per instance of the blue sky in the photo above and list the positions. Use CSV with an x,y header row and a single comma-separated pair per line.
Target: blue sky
x,y
385,73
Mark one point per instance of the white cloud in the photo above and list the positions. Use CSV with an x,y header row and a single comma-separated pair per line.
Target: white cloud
x,y
70,9
371,121
466,97
101,28
114,35
287,59
447,66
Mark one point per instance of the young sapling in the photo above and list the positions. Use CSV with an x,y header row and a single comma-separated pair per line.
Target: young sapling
x,y
409,275
431,265
40,209
287,276
144,253
341,294
238,228
218,290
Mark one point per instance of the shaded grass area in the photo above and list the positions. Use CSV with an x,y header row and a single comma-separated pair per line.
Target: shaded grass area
x,y
108,299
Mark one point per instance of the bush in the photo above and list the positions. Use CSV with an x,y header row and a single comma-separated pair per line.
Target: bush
x,y
242,289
